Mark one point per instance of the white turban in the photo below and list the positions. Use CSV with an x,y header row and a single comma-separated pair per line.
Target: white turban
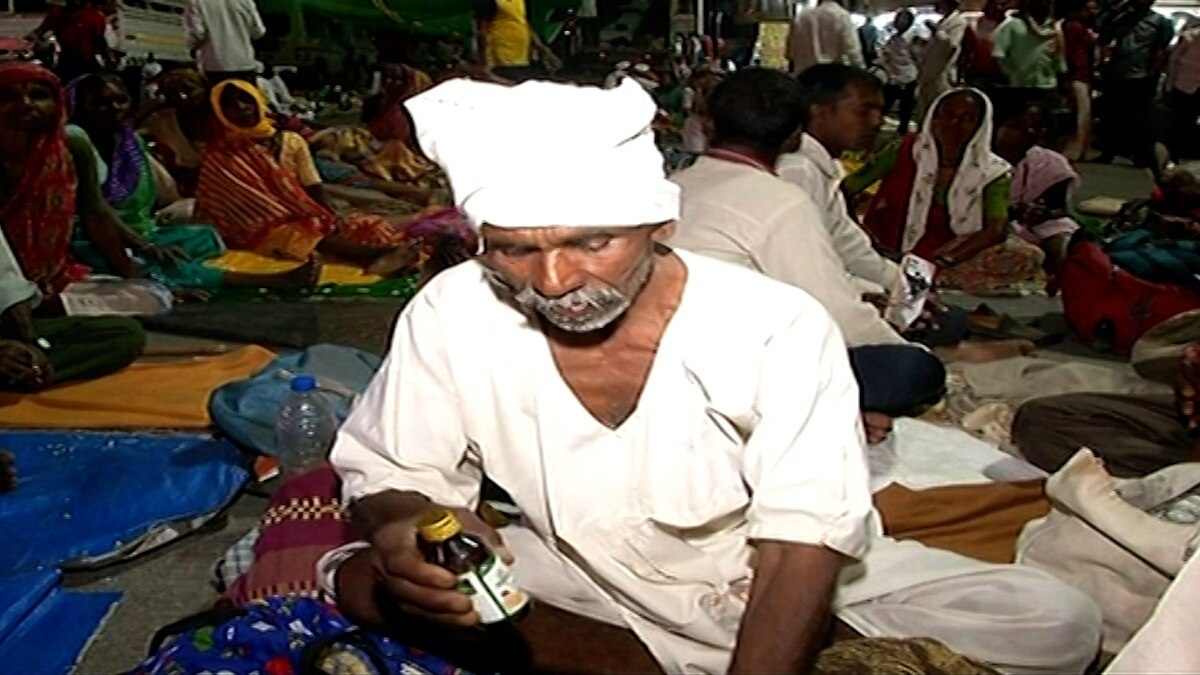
x,y
541,154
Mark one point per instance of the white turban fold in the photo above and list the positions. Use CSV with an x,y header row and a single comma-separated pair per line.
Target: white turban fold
x,y
541,154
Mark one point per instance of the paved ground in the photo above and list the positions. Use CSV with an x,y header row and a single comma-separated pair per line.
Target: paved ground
x,y
173,583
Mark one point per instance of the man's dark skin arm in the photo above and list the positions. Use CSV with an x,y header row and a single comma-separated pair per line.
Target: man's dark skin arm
x,y
16,323
785,620
371,514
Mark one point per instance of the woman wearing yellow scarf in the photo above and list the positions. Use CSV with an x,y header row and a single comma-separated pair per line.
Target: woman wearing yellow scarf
x,y
260,189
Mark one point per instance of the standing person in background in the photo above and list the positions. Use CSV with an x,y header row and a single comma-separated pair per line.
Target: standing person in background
x,y
939,62
1137,38
1029,50
221,32
1080,42
868,36
982,71
824,34
899,59
80,27
1183,92
505,41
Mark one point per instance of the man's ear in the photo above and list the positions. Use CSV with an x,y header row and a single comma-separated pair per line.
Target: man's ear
x,y
665,231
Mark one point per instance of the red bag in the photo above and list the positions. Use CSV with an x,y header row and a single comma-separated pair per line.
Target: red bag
x,y
1101,300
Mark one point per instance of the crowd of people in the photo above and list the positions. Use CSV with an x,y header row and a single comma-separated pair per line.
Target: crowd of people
x,y
676,379
1060,56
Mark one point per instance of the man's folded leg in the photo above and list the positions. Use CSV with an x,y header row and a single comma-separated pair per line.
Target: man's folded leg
x,y
897,380
1134,435
84,348
1019,619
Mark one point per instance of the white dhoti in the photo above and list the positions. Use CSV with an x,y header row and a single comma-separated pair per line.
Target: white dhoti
x,y
1019,619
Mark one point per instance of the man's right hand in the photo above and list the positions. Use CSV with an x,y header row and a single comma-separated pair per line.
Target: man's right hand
x,y
395,569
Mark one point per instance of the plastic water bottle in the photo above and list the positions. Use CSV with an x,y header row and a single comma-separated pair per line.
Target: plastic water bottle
x,y
305,428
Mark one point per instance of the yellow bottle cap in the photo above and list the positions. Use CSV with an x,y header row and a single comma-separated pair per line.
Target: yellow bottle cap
x,y
438,526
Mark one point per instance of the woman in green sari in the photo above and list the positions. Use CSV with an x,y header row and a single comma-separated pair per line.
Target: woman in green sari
x,y
174,255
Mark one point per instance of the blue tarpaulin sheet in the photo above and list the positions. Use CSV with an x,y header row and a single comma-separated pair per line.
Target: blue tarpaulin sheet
x,y
85,495
43,628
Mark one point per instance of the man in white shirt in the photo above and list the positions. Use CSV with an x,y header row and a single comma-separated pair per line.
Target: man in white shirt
x,y
679,434
222,33
824,34
899,58
797,231
845,114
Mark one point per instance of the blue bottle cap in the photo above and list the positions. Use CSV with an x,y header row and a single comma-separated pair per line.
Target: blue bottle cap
x,y
303,383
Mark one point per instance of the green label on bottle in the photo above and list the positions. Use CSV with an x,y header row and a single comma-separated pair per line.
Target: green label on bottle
x,y
493,590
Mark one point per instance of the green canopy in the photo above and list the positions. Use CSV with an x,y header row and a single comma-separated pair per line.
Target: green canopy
x,y
437,17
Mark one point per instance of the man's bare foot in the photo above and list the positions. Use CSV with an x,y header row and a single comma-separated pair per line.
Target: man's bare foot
x,y
983,352
400,259
878,426
8,472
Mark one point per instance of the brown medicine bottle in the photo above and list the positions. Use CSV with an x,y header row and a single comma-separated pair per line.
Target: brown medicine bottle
x,y
481,573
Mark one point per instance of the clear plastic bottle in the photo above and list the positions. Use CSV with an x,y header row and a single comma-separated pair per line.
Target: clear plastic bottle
x,y
305,428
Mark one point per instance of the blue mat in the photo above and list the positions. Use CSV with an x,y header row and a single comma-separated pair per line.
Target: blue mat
x,y
83,496
43,628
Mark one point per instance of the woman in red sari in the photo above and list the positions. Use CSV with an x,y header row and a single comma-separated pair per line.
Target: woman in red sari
x,y
46,181
252,190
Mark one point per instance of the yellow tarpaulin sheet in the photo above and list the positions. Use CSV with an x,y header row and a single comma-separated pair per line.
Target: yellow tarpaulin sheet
x,y
332,272
143,396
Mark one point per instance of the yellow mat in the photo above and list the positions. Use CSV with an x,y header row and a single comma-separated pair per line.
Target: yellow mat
x,y
332,272
143,396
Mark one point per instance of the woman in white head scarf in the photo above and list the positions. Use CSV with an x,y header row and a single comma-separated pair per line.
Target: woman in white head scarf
x,y
944,197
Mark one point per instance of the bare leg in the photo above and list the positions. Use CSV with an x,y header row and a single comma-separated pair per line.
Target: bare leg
x,y
306,275
381,260
402,191
983,352
1056,252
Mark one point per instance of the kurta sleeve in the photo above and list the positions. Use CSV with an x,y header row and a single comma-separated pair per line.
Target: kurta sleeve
x,y
406,432
798,251
851,242
257,29
195,31
852,46
804,461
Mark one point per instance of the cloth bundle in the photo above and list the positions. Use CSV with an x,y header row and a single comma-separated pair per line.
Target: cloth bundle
x,y
1101,538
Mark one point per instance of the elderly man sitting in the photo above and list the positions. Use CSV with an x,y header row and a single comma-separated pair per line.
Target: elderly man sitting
x,y
680,434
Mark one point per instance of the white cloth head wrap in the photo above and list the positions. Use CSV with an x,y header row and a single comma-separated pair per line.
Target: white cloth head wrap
x,y
979,167
541,154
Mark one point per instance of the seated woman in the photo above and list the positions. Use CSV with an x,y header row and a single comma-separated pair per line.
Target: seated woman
x,y
1042,186
98,105
389,122
944,197
47,180
180,122
260,189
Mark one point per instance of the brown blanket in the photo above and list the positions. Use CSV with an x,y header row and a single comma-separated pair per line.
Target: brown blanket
x,y
980,521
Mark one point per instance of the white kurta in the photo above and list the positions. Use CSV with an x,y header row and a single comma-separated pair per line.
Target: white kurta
x,y
747,428
747,216
816,172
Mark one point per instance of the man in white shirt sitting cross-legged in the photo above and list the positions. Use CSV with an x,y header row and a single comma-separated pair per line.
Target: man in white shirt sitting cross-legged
x,y
680,434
